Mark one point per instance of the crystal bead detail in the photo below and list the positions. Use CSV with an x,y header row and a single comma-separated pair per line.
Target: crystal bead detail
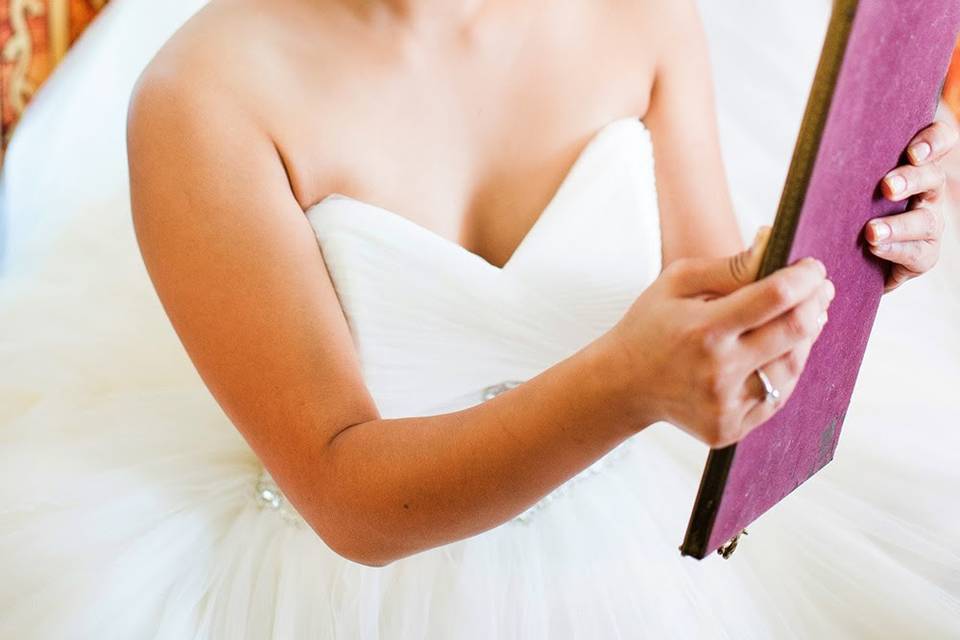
x,y
269,496
494,390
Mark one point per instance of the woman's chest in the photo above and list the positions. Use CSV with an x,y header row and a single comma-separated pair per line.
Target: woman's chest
x,y
472,147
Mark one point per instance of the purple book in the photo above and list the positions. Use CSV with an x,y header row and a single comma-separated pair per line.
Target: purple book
x,y
876,86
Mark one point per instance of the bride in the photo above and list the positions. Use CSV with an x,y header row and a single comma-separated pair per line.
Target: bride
x,y
462,284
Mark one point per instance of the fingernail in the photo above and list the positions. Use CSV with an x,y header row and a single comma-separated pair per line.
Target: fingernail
x,y
919,152
814,262
896,183
831,290
881,248
822,319
881,230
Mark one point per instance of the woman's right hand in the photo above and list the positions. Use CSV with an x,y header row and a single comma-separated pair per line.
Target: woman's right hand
x,y
689,346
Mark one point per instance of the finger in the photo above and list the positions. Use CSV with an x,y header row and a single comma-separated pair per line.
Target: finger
x,y
918,256
898,275
784,374
908,180
757,303
720,276
745,268
933,143
922,223
780,336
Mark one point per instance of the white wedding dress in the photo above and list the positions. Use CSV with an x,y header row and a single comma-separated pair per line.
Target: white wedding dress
x,y
130,507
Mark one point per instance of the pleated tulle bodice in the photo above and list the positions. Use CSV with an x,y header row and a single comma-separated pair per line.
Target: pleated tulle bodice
x,y
437,327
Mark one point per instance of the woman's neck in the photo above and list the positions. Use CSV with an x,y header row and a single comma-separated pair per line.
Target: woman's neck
x,y
428,14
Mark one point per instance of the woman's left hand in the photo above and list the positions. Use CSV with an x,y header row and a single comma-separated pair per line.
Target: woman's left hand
x,y
911,240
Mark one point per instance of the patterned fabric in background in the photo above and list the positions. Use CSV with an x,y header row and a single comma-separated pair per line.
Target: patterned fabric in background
x,y
34,36
951,87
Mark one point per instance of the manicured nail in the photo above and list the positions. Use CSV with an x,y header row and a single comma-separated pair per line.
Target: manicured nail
x,y
831,290
919,152
881,230
814,262
881,248
822,319
896,183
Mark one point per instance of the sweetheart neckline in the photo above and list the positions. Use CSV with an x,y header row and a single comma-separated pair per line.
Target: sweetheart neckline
x,y
540,221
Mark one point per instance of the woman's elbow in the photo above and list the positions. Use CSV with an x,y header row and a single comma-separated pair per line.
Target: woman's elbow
x,y
366,549
359,552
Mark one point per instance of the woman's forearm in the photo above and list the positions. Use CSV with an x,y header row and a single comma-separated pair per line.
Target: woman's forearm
x,y
394,487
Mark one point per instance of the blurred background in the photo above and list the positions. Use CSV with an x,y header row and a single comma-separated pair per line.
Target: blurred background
x,y
34,37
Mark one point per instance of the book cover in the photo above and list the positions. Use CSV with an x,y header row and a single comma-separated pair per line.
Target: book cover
x,y
877,85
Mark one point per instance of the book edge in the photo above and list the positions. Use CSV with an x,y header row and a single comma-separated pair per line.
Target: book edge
x,y
719,461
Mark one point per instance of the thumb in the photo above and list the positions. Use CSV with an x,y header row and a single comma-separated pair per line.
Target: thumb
x,y
722,276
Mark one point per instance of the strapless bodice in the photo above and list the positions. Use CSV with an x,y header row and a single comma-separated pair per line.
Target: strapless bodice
x,y
437,326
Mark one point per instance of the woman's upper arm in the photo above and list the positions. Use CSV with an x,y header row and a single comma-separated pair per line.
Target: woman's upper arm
x,y
696,211
238,270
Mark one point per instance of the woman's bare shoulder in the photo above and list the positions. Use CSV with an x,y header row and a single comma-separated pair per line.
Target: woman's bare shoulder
x,y
272,69
220,51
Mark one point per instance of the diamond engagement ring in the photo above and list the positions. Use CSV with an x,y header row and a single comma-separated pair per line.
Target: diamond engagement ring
x,y
772,394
